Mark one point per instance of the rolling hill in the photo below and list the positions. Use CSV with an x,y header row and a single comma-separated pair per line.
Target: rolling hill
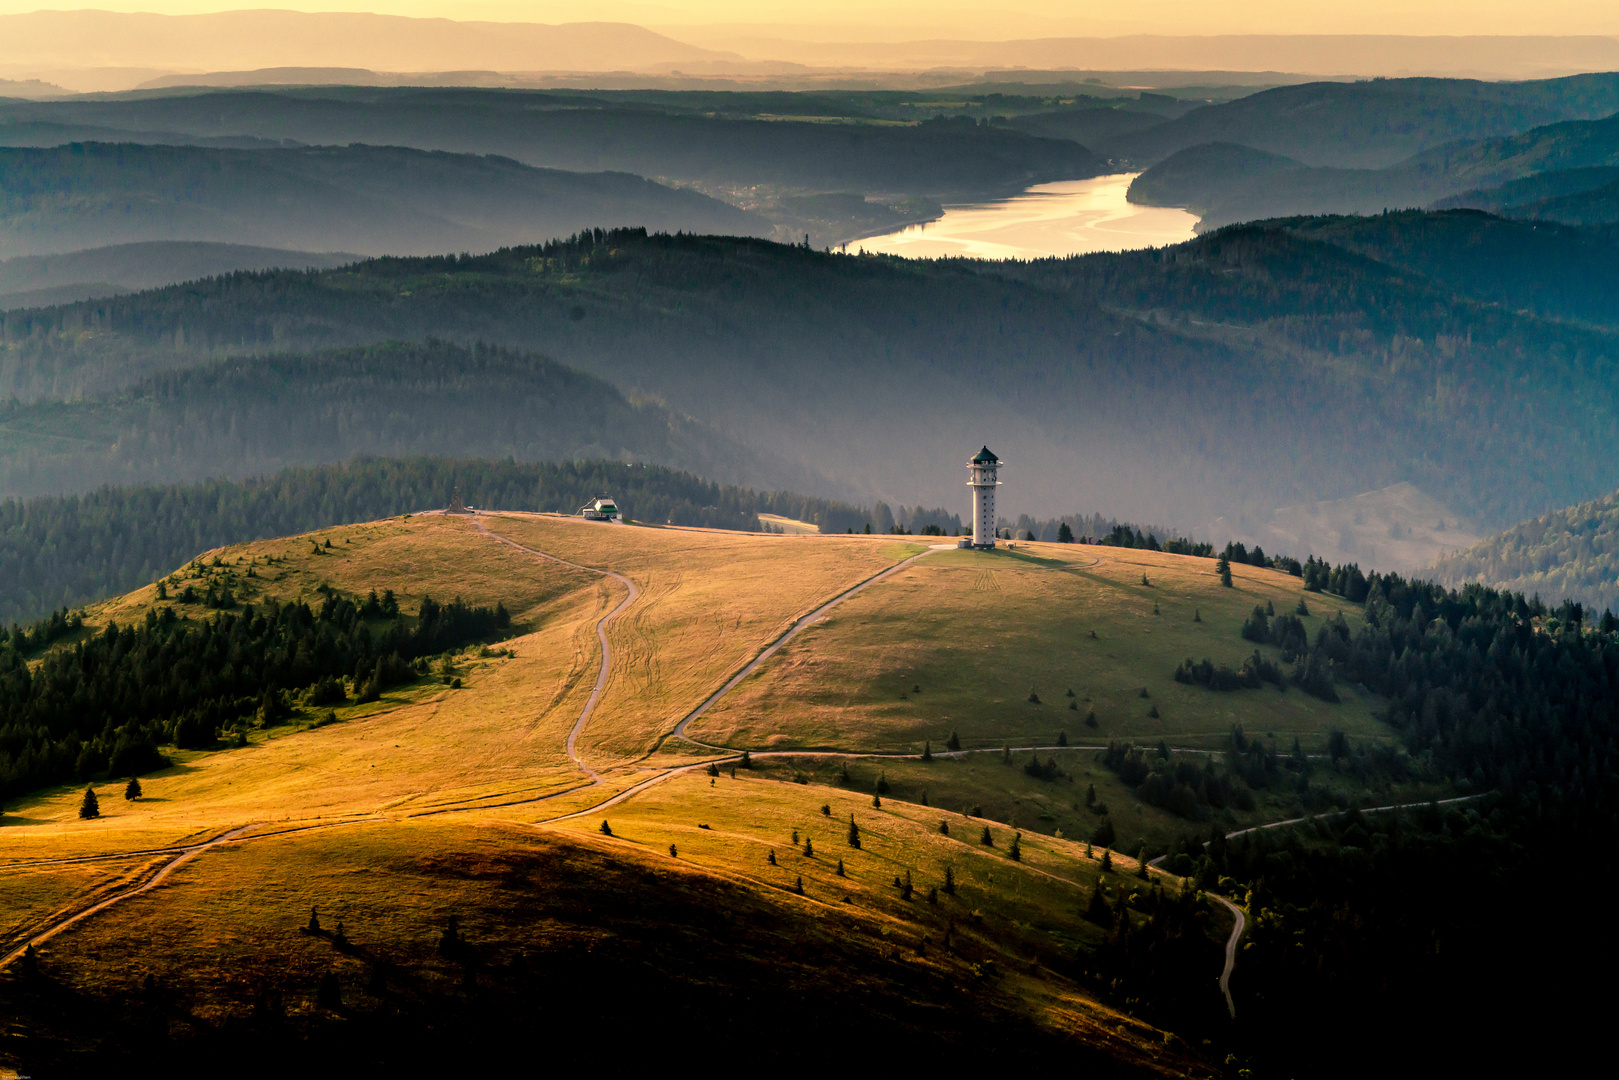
x,y
1375,124
690,139
66,551
356,198
926,825
1568,554
1151,383
251,417
43,281
1225,194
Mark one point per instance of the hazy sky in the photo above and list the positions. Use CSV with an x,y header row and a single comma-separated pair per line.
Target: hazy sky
x,y
913,19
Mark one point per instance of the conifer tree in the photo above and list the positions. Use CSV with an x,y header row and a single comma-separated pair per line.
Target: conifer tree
x,y
840,869
809,848
927,751
944,826
606,829
674,852
987,840
89,807
1107,861
906,889
854,834
1141,863
954,742
1224,567
1062,738
771,858
1090,795
826,809
1006,754
798,885
949,881
313,925
795,837
1016,850
876,800
132,790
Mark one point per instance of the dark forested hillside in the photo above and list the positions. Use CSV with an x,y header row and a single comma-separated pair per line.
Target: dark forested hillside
x,y
1428,178
1553,270
1373,124
1569,554
350,198
1248,370
45,280
69,550
248,417
660,136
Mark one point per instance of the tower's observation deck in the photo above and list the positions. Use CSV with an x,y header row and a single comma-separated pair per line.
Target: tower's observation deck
x,y
982,471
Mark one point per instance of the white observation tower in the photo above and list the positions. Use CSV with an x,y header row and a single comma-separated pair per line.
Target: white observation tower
x,y
982,468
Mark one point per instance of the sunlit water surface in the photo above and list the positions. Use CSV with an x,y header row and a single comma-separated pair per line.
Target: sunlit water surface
x,y
1072,217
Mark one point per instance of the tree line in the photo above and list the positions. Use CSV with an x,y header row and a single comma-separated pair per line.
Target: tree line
x,y
106,703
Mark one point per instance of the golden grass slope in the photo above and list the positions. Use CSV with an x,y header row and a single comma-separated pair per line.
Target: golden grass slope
x,y
378,817
960,640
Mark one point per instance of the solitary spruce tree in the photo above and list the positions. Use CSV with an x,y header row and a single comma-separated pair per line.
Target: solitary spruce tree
x,y
132,790
1016,850
954,742
949,881
1224,566
89,808
927,751
987,840
606,829
854,834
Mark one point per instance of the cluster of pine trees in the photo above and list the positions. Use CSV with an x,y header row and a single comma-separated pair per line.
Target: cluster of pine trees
x,y
105,704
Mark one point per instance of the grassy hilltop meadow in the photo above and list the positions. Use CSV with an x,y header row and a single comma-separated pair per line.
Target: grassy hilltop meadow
x,y
989,722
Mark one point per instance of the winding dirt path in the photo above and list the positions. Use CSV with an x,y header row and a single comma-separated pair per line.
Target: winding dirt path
x,y
1230,949
186,855
631,596
792,632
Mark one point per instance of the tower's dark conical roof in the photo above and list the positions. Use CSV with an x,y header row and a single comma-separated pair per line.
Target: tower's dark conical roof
x,y
984,457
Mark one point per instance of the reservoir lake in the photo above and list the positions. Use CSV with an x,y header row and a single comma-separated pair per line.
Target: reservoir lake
x,y
1071,217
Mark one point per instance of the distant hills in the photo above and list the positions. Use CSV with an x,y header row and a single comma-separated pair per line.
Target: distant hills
x,y
720,140
249,417
1568,554
44,280
1375,124
356,198
268,38
1256,171
1255,368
